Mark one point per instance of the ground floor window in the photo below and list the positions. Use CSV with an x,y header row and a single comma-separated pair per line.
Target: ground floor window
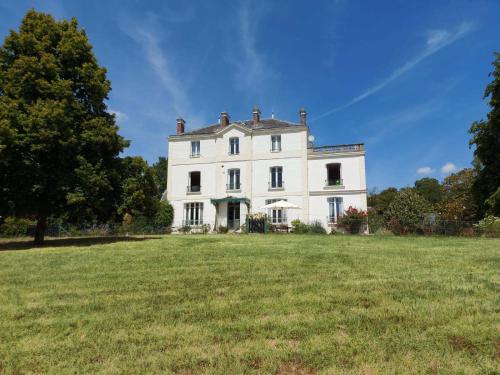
x,y
335,209
193,213
277,215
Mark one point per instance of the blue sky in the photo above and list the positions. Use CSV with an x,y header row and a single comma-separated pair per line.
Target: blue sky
x,y
404,77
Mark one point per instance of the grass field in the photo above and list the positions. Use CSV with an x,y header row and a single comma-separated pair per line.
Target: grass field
x,y
273,304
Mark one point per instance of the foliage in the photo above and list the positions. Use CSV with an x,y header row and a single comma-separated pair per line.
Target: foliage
x,y
316,228
139,195
15,227
59,145
127,221
430,189
458,202
298,227
160,173
185,229
222,229
352,220
165,214
489,226
381,201
405,212
375,220
486,139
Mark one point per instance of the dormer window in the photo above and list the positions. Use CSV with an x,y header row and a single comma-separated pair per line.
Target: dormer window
x,y
234,146
333,177
275,143
195,149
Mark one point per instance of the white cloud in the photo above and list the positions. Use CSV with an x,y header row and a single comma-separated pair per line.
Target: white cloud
x,y
436,40
425,170
120,116
448,168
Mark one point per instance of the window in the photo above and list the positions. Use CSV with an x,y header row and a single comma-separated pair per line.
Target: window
x,y
233,179
277,215
333,174
234,146
335,209
193,214
195,149
275,143
276,178
194,182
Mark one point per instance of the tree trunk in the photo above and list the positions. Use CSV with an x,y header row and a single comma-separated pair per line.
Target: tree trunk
x,y
41,225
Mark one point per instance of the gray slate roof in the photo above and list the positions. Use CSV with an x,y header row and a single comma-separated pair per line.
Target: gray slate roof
x,y
270,123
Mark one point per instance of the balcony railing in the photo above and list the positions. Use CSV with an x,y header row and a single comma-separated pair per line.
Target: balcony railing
x,y
277,186
192,222
335,182
193,189
233,187
339,148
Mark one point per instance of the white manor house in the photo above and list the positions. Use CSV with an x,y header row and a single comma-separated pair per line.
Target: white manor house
x,y
219,174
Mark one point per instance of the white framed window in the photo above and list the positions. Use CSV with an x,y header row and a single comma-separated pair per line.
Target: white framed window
x,y
194,185
195,149
234,146
233,179
276,178
275,143
276,215
333,175
193,213
335,208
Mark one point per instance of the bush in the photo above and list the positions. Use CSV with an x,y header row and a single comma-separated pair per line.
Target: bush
x,y
405,212
352,220
185,229
222,229
489,226
15,227
298,227
316,228
376,221
165,215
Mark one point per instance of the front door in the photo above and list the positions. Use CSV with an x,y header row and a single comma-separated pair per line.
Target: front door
x,y
233,215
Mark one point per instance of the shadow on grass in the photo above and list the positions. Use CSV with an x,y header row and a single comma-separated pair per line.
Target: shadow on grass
x,y
27,244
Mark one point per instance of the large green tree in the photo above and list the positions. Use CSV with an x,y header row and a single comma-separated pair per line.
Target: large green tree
x,y
486,139
457,201
58,144
381,201
430,189
160,170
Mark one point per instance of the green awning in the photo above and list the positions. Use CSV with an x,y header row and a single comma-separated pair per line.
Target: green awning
x,y
230,200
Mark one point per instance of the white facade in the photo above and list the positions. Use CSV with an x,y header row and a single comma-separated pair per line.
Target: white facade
x,y
220,188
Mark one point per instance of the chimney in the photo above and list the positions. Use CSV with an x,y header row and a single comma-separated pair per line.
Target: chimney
x,y
180,126
303,115
224,119
256,115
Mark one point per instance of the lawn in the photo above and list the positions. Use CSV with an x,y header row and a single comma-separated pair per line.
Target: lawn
x,y
233,304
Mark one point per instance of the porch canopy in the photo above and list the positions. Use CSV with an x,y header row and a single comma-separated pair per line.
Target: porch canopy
x,y
280,205
230,200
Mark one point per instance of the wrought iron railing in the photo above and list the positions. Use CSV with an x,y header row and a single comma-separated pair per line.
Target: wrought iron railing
x,y
277,186
231,187
192,222
337,182
339,148
193,188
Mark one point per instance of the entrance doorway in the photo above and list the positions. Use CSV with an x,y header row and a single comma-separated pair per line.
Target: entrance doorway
x,y
233,215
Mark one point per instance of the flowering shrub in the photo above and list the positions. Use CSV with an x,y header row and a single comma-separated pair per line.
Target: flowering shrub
x,y
405,212
352,220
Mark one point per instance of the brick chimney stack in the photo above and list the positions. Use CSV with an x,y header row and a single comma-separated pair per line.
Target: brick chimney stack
x,y
256,115
303,115
224,119
180,126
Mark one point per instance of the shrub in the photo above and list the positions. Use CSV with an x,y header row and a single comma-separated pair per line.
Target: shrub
x,y
185,229
316,228
298,227
165,215
375,221
489,226
14,227
222,229
205,228
352,220
405,212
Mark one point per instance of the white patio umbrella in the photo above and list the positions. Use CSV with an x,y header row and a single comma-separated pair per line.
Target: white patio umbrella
x,y
280,205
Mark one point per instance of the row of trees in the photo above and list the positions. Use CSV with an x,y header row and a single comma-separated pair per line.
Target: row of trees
x,y
59,145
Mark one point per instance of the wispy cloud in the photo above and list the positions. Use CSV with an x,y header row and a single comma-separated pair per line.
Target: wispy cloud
x,y
448,168
252,70
436,40
425,170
